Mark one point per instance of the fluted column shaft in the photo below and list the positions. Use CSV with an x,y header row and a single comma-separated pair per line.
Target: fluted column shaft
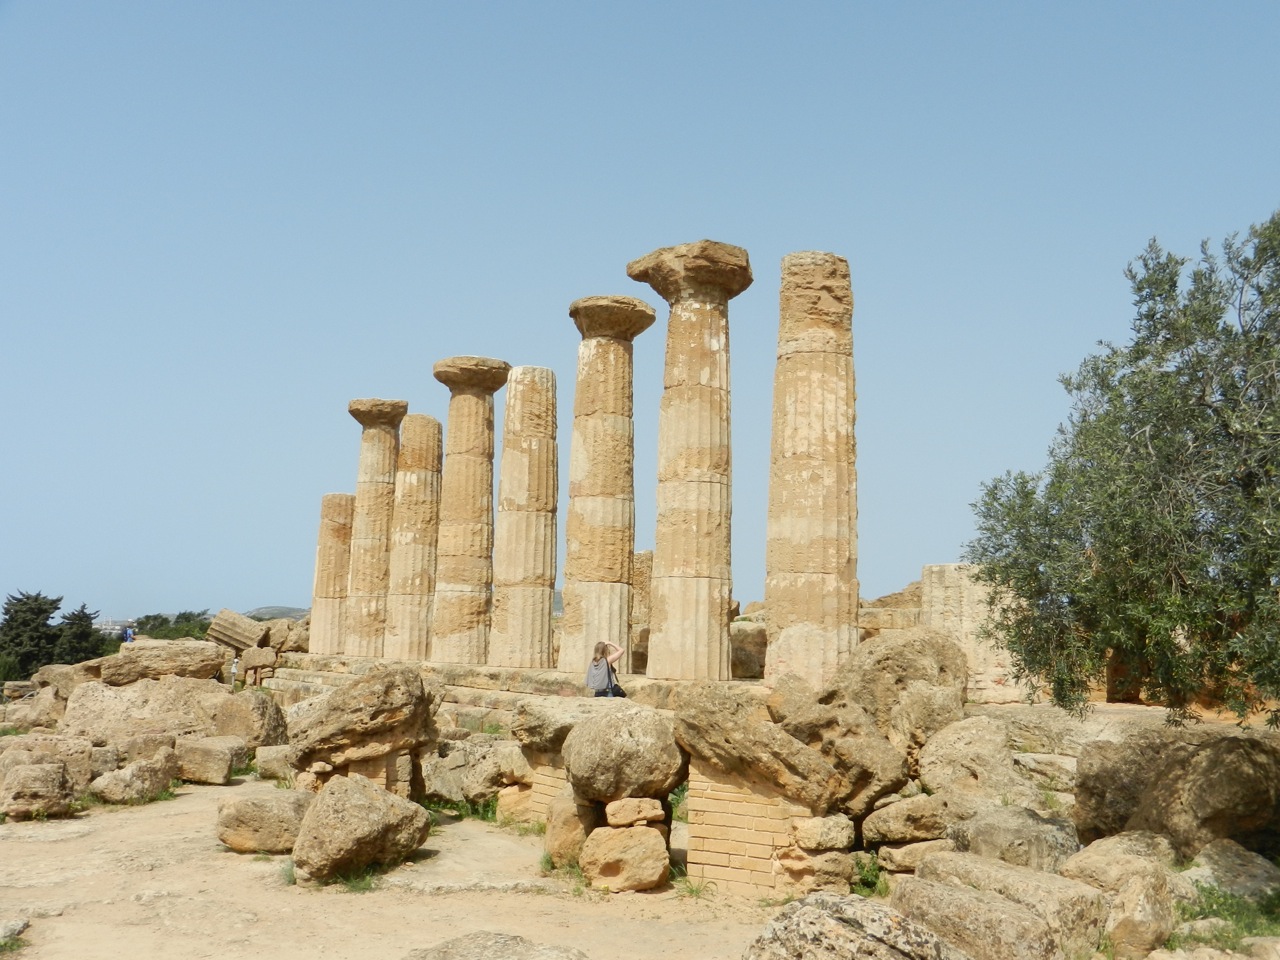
x,y
524,544
365,617
811,586
414,529
692,581
333,567
460,617
600,529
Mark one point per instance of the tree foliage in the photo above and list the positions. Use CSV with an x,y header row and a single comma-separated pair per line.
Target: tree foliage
x,y
29,639
1153,534
185,623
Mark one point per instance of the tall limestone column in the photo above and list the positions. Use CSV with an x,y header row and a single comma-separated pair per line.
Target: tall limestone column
x,y
811,584
692,580
524,542
600,531
460,615
366,608
414,528
333,567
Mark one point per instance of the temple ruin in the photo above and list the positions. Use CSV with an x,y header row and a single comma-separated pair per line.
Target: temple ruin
x,y
416,569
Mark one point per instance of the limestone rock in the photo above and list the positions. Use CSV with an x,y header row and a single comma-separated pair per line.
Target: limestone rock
x,y
542,723
808,871
273,762
983,924
1228,787
747,643
139,782
973,755
906,857
846,736
1075,913
632,810
629,753
63,677
1018,836
153,659
516,805
257,658
235,630
266,823
354,823
102,760
923,817
1142,901
720,726
1228,866
75,753
823,833
625,858
824,926
35,790
40,712
146,745
494,946
205,760
569,821
912,682
387,710
1111,777
176,706
253,716
1052,770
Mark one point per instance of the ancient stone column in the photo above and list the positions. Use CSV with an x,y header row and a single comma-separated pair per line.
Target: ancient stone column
x,y
692,581
365,613
600,531
414,527
524,542
460,615
333,567
811,584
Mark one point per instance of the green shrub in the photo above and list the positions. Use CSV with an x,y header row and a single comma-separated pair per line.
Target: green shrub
x,y
1244,918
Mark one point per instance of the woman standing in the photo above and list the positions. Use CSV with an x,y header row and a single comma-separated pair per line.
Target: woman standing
x,y
600,672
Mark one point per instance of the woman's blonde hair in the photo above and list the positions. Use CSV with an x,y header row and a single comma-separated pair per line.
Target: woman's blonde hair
x,y
600,649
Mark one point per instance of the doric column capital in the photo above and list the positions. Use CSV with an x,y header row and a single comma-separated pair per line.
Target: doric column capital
x,y
622,318
687,270
482,374
371,412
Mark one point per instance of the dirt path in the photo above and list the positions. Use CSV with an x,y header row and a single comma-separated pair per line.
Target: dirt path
x,y
153,881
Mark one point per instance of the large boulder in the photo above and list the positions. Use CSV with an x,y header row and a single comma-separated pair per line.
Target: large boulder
x,y
1016,835
625,858
984,924
973,755
473,770
1228,787
75,753
289,636
153,659
747,643
352,824
922,817
35,790
846,736
209,759
388,710
825,926
912,682
1226,865
1141,914
174,706
141,781
266,823
542,723
1075,912
253,716
64,677
629,753
1111,777
41,711
734,734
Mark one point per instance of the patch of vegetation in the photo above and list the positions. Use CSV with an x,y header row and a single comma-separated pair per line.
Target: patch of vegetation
x,y
168,793
486,810
679,801
29,639
570,873
536,829
362,880
493,729
9,731
11,944
249,769
870,880
1244,918
687,886
186,623
285,784
86,801
288,873
1050,800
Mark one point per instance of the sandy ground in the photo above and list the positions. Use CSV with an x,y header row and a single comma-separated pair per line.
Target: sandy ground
x,y
153,881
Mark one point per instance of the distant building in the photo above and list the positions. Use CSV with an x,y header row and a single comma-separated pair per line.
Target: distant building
x,y
113,627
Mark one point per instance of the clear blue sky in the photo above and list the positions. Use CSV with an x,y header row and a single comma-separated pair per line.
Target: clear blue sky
x,y
220,221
